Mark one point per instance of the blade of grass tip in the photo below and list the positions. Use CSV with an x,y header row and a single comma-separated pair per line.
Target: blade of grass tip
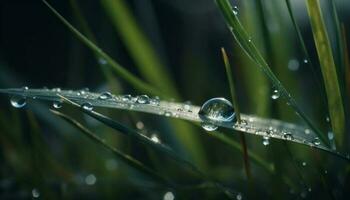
x,y
121,156
106,71
248,46
329,71
237,111
118,69
147,141
139,46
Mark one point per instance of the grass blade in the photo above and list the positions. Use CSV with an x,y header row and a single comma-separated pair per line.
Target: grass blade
x,y
250,124
329,72
248,46
121,156
123,73
139,46
237,111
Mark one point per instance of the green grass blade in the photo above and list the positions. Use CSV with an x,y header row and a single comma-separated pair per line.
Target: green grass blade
x,y
248,46
121,156
250,124
237,110
123,73
329,72
139,46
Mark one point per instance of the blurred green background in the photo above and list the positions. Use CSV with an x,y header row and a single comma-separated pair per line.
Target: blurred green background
x,y
44,157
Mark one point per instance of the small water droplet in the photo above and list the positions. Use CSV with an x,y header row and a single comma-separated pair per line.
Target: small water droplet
x,y
293,64
208,126
102,61
266,141
105,95
169,196
35,193
305,61
90,179
140,125
126,98
316,141
25,88
303,164
235,10
155,138
143,99
288,136
217,110
309,189
18,101
275,94
239,196
307,131
328,119
57,104
330,135
87,106
167,114
154,101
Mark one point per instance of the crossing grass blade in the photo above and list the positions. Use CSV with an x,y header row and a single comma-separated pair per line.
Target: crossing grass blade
x,y
121,156
118,69
329,71
237,110
248,46
140,48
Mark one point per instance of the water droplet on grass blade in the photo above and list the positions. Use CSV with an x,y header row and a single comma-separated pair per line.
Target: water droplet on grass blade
x,y
90,179
105,95
169,196
316,141
235,10
217,110
305,61
57,104
266,141
143,99
87,106
102,61
275,94
155,138
18,101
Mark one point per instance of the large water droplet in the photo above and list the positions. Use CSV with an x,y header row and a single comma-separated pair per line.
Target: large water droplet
x,y
208,126
126,98
275,94
87,106
143,99
217,110
18,101
105,95
57,104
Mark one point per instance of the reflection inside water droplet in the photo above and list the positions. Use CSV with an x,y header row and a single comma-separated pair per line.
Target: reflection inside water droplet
x,y
18,101
105,95
208,126
87,106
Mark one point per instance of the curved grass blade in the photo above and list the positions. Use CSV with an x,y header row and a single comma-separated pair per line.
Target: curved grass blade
x,y
248,46
329,71
121,156
123,73
250,124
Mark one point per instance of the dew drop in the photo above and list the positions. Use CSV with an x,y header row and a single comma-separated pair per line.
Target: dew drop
x,y
102,61
217,110
140,125
169,196
90,179
307,131
288,136
330,135
266,141
275,94
305,61
155,138
105,95
235,10
87,106
35,193
316,141
154,101
208,126
126,98
18,101
25,88
167,114
57,104
303,164
239,196
143,99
